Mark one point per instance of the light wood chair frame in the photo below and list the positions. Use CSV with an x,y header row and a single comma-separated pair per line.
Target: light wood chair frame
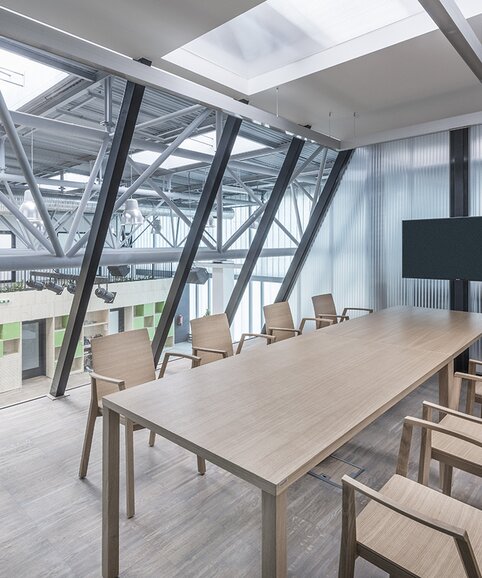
x,y
95,411
472,378
351,549
448,461
299,331
223,353
343,317
317,319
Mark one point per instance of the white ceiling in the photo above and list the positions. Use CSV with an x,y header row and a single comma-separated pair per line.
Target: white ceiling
x,y
376,96
136,28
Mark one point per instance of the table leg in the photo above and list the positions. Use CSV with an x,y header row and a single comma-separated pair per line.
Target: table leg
x,y
110,494
447,395
274,554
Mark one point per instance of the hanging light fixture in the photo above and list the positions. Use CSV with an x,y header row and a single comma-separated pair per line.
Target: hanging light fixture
x,y
210,224
132,214
29,209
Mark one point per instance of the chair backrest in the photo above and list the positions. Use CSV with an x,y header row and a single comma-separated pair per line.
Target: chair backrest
x,y
127,356
324,304
212,332
279,315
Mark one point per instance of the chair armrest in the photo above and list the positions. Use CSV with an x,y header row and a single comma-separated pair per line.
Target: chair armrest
x,y
194,358
222,352
468,376
269,329
269,339
333,316
356,309
325,319
430,425
315,319
454,531
443,409
119,382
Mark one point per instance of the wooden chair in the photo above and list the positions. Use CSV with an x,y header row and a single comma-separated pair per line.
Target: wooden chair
x,y
279,321
408,529
474,392
463,452
211,338
324,306
120,361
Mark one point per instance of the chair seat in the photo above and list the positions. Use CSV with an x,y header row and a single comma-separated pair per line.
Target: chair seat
x,y
461,454
412,546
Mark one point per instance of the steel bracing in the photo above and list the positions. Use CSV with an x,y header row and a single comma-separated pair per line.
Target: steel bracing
x,y
61,145
119,150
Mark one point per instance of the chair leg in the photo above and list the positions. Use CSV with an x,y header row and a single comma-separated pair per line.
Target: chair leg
x,y
130,500
446,479
152,438
89,433
348,545
201,465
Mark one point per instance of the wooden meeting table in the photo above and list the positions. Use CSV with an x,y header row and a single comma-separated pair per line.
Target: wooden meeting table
x,y
271,414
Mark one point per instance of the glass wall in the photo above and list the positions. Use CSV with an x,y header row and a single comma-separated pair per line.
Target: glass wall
x,y
358,253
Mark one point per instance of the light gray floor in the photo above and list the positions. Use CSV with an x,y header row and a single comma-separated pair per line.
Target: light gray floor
x,y
186,525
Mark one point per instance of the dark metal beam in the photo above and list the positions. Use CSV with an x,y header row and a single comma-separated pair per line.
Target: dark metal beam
x,y
206,202
459,207
269,213
100,224
313,227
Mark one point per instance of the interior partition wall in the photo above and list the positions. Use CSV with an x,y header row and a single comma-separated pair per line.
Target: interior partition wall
x,y
357,255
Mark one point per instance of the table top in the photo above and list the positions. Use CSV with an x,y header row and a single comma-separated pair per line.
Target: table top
x,y
270,414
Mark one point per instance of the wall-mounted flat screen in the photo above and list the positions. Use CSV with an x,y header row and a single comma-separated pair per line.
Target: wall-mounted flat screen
x,y
443,248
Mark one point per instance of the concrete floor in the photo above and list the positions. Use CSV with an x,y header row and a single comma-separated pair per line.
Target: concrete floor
x,y
185,525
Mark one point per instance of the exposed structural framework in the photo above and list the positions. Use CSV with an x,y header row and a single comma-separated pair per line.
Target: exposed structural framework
x,y
320,209
282,183
203,210
107,197
178,192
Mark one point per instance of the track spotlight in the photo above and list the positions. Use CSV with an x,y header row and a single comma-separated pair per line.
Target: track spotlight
x,y
105,295
71,287
55,287
37,285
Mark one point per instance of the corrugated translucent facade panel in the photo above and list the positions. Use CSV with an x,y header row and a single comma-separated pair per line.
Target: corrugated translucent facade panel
x,y
475,208
358,253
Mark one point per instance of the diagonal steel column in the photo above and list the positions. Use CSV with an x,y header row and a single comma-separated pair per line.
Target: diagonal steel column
x,y
206,201
17,147
282,182
314,225
126,123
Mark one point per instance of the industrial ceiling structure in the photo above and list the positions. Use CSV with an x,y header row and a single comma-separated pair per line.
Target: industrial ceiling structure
x,y
65,133
360,72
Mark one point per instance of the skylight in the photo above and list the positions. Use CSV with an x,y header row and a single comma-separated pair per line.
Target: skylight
x,y
203,143
281,40
22,79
